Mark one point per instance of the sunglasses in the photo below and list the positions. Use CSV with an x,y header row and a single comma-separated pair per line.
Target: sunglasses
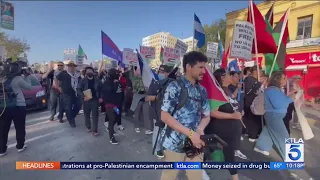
x,y
60,65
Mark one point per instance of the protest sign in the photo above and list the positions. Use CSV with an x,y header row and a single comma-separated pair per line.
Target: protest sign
x,y
147,52
241,46
171,56
7,15
212,50
129,57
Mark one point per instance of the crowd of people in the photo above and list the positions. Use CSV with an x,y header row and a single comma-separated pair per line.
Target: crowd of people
x,y
174,108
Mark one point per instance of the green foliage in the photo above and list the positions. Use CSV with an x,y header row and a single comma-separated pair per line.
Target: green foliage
x,y
212,30
14,46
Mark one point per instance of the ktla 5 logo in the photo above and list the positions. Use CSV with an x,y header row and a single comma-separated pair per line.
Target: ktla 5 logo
x,y
294,150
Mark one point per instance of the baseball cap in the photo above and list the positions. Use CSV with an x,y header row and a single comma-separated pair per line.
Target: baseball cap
x,y
165,68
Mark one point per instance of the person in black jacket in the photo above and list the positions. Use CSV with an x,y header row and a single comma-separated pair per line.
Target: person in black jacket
x,y
91,103
113,97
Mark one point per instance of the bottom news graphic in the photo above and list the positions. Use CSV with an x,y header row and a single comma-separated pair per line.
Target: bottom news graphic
x,y
156,165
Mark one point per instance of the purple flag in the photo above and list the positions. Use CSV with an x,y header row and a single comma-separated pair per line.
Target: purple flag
x,y
109,48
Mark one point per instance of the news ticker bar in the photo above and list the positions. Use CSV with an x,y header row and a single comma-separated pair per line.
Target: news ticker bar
x,y
24,165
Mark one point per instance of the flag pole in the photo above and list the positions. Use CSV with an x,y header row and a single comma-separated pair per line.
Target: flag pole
x,y
255,39
193,34
280,39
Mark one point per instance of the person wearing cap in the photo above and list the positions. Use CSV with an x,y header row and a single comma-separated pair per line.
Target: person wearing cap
x,y
91,101
55,99
68,83
163,73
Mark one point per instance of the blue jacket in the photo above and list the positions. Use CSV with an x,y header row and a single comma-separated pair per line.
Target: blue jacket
x,y
276,101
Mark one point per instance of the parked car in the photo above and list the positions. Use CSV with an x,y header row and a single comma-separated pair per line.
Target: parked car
x,y
36,98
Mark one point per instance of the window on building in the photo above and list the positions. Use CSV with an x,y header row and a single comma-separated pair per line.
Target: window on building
x,y
304,27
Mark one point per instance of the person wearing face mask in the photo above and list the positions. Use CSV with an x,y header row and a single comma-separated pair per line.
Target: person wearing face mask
x,y
113,96
91,100
154,87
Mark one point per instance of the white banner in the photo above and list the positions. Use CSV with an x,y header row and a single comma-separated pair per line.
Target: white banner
x,y
129,57
79,60
241,46
147,52
171,56
212,50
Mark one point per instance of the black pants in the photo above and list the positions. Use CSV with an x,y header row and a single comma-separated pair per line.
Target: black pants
x,y
288,116
89,107
72,105
127,100
18,116
113,118
118,120
253,123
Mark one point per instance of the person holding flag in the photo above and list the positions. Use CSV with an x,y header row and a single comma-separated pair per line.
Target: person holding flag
x,y
225,116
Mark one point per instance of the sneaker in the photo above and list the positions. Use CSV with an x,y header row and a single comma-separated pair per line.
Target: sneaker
x,y
148,132
239,154
88,130
160,154
3,154
297,126
113,141
262,152
80,112
241,138
137,130
61,121
73,125
120,127
252,140
95,133
205,175
23,148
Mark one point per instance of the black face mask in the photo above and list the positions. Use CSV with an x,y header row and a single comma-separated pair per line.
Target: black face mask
x,y
90,75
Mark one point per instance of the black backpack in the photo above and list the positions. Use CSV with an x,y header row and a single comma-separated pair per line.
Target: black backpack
x,y
8,99
183,97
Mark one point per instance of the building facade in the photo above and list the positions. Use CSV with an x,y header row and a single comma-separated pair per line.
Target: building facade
x,y
303,50
189,42
163,39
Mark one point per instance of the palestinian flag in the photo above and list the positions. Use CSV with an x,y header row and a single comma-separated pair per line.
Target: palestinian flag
x,y
281,36
81,52
269,17
216,95
265,41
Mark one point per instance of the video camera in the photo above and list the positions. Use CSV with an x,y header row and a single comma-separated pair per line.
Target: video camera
x,y
13,68
212,142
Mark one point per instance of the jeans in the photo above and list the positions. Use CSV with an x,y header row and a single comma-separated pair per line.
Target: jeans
x,y
89,107
273,133
118,119
56,103
142,114
18,116
72,106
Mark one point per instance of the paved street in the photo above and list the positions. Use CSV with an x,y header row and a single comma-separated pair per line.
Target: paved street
x,y
52,141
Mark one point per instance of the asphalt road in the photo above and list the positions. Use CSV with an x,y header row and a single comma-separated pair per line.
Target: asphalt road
x,y
52,141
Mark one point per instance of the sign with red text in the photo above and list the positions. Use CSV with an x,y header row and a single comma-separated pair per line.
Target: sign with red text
x,y
147,52
129,57
303,58
171,56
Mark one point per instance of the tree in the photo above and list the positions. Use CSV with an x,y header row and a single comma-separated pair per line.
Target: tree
x,y
14,46
211,32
